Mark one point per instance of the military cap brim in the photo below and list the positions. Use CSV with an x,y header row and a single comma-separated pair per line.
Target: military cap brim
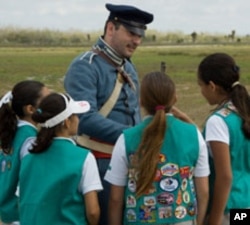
x,y
132,18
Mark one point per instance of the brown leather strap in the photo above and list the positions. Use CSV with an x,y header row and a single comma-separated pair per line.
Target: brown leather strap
x,y
119,68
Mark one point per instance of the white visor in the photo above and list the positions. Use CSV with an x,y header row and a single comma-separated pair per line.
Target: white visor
x,y
72,107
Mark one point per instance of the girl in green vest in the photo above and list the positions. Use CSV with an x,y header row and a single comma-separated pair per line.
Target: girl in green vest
x,y
159,168
58,179
16,109
227,133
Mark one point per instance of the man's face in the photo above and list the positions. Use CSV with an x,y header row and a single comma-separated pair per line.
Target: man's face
x,y
123,41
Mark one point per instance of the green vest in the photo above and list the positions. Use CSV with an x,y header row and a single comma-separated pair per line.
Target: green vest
x,y
239,196
10,166
49,183
172,196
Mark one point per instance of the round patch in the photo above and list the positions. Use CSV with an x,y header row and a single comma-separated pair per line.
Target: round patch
x,y
180,212
169,184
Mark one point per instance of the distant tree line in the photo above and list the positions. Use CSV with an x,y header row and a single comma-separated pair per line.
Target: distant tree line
x,y
31,37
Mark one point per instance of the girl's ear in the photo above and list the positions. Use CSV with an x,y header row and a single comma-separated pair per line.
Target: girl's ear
x,y
212,85
29,110
66,123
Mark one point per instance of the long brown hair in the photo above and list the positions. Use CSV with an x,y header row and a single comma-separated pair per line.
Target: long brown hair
x,y
157,97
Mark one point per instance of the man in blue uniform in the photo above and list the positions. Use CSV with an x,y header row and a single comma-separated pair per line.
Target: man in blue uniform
x,y
108,80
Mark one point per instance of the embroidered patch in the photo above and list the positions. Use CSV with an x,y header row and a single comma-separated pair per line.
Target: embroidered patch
x,y
169,184
165,198
191,182
180,212
132,185
162,158
184,172
131,215
186,197
131,201
224,112
184,184
149,201
169,169
131,173
179,198
191,209
158,175
165,212
147,214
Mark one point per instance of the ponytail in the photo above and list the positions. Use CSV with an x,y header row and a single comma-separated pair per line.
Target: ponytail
x,y
148,152
8,127
241,100
43,140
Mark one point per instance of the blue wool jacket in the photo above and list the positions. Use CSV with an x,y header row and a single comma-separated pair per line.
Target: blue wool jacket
x,y
92,78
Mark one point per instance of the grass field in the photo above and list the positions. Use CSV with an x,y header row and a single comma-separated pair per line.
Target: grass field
x,y
50,64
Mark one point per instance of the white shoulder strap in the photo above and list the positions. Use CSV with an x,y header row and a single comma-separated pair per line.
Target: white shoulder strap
x,y
109,104
85,140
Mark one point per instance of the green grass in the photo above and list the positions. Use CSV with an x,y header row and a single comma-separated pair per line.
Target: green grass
x,y
49,65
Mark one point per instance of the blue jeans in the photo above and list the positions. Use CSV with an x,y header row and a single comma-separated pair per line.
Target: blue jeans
x,y
103,196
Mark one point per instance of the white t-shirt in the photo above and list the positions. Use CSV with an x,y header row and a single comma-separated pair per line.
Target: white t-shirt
x,y
119,162
216,130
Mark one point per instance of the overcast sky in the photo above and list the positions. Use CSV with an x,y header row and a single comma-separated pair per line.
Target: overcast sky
x,y
208,16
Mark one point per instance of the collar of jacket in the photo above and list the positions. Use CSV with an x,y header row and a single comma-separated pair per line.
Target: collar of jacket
x,y
110,52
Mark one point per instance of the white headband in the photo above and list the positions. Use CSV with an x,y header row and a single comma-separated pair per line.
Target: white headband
x,y
235,83
72,107
6,98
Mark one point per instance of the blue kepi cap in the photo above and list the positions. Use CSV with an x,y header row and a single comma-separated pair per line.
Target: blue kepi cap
x,y
132,18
